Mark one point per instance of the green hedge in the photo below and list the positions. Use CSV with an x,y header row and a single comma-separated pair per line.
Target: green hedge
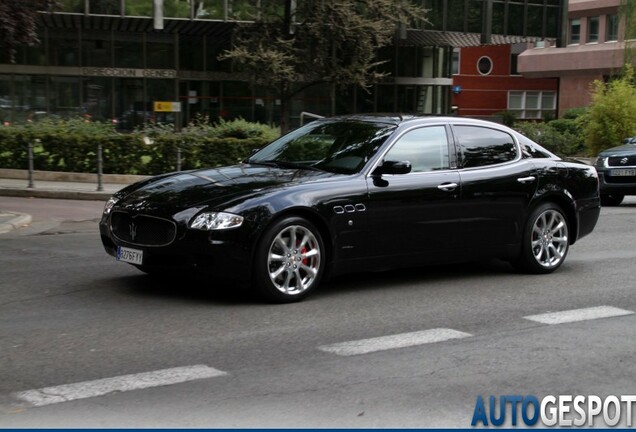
x,y
562,136
71,146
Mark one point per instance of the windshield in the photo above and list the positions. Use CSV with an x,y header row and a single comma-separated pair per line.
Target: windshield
x,y
334,146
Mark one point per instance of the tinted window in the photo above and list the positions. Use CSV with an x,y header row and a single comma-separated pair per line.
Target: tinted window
x,y
531,149
426,149
482,146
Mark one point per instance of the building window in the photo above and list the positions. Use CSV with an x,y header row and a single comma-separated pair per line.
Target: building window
x,y
455,62
64,96
484,65
592,29
191,52
64,49
611,28
514,61
96,49
160,51
575,31
128,49
532,104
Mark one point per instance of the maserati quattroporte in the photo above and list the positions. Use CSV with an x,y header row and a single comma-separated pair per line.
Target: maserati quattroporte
x,y
358,193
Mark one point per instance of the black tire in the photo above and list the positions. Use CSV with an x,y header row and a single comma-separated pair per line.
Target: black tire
x,y
546,241
290,261
611,200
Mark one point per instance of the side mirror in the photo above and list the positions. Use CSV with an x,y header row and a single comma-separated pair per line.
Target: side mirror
x,y
393,167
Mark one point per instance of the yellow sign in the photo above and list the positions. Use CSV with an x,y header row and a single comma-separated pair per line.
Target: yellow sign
x,y
167,106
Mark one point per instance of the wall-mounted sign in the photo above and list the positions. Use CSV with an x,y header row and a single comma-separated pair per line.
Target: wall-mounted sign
x,y
167,106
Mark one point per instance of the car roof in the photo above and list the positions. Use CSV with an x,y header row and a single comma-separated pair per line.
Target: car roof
x,y
398,119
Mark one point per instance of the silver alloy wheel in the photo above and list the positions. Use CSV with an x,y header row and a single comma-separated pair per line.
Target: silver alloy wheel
x,y
550,238
293,260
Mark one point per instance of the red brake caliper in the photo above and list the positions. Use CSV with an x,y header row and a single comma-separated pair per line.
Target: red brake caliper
x,y
303,251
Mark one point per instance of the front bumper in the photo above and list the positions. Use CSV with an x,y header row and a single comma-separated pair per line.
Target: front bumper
x,y
609,185
221,255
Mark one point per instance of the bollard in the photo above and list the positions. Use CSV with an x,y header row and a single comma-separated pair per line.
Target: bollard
x,y
30,147
100,187
178,159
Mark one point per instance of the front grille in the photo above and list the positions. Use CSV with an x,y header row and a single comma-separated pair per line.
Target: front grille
x,y
142,230
617,161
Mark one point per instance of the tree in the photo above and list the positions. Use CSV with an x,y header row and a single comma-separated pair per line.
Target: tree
x,y
610,117
291,47
627,12
18,23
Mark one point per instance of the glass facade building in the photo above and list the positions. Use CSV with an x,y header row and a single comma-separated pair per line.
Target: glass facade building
x,y
104,59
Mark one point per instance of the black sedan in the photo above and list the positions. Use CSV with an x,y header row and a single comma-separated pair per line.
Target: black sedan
x,y
358,193
617,172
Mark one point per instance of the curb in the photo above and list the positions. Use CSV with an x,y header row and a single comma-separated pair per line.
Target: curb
x,y
18,220
55,194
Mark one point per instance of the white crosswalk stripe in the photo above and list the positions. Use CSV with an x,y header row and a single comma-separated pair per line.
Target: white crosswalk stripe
x,y
402,340
88,389
575,315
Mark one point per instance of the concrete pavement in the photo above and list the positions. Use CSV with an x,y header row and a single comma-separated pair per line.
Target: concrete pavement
x,y
12,220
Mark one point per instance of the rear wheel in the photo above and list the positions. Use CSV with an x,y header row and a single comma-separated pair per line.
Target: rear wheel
x,y
611,200
290,260
545,241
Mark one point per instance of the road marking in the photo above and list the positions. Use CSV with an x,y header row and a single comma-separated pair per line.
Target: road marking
x,y
100,387
575,315
402,340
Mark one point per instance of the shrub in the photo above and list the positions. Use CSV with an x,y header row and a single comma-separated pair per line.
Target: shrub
x,y
558,136
611,116
71,145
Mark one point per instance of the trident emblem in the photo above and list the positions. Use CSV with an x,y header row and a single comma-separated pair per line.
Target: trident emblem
x,y
133,230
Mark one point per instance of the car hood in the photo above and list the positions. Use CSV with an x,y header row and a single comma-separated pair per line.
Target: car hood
x,y
620,150
172,193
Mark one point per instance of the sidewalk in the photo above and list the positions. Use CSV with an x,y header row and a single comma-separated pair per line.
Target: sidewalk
x,y
74,186
46,184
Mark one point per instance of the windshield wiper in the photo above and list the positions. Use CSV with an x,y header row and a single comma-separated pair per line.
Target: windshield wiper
x,y
285,164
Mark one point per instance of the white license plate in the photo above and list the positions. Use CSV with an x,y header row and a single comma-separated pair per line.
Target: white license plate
x,y
623,172
133,256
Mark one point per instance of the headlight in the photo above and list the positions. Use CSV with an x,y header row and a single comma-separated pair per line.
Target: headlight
x,y
216,221
109,205
600,161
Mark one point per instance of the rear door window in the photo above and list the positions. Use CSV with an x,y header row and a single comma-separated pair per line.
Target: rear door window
x,y
483,146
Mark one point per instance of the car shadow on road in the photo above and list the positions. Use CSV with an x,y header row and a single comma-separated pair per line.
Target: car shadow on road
x,y
195,288
199,288
414,276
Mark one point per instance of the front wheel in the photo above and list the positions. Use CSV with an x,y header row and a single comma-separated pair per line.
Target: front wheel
x,y
545,241
290,260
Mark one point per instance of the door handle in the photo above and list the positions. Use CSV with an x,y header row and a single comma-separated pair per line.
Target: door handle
x,y
525,180
447,187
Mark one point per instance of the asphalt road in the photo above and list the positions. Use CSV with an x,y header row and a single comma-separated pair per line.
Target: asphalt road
x,y
70,315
